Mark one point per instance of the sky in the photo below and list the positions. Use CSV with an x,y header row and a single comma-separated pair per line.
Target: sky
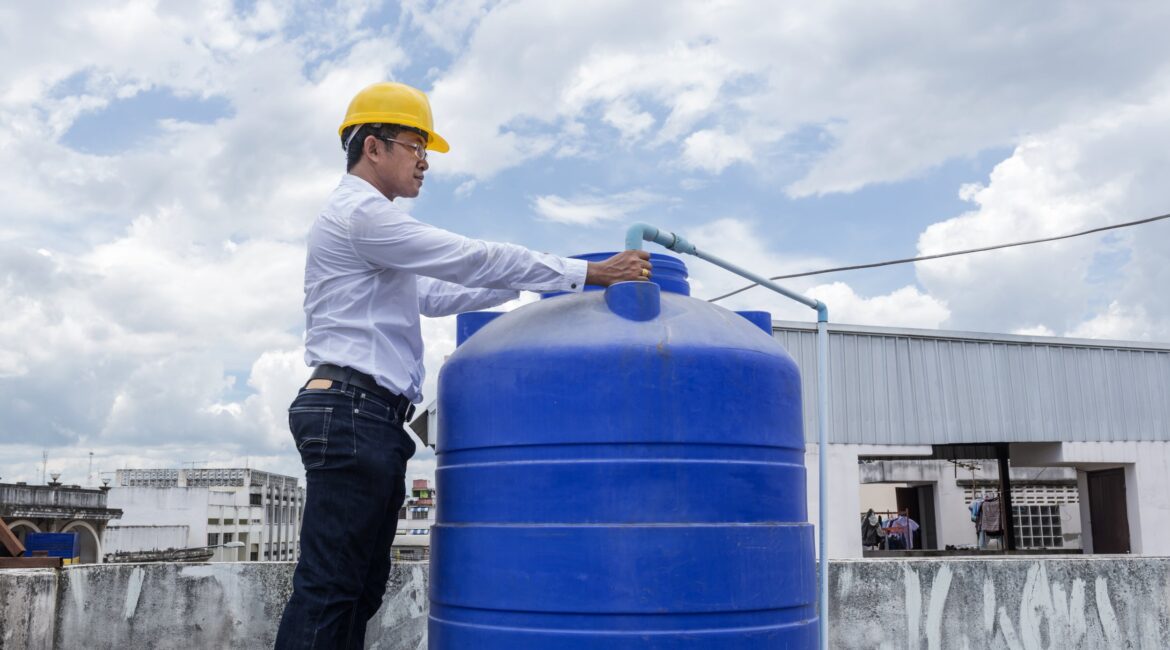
x,y
161,162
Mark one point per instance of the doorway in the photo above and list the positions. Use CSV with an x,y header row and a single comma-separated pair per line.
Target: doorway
x,y
919,501
1108,511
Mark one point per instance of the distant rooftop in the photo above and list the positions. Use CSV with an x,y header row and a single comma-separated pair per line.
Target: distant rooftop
x,y
211,477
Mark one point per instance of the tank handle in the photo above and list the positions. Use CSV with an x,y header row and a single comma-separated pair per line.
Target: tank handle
x,y
635,300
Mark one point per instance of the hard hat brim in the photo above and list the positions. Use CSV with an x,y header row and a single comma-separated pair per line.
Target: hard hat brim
x,y
435,142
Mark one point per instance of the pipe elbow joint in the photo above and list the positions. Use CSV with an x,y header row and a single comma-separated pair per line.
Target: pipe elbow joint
x,y
637,232
822,312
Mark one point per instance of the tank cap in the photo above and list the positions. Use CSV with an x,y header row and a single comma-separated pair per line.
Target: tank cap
x,y
635,300
760,319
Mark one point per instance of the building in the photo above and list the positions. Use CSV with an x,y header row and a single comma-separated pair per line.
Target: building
x,y
57,508
1080,427
241,514
1045,501
415,518
1061,410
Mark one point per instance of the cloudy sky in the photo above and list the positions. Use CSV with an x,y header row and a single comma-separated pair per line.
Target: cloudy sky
x,y
160,163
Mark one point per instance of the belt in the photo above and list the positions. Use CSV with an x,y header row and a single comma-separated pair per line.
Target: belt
x,y
402,406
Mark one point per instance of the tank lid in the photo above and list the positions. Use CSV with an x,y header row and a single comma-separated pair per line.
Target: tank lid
x,y
670,273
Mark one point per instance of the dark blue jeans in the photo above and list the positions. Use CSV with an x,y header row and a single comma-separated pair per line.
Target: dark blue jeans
x,y
354,450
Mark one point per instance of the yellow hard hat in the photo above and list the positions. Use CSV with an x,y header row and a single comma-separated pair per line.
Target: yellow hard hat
x,y
390,102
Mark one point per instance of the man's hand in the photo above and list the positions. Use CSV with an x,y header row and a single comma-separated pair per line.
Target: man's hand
x,y
627,265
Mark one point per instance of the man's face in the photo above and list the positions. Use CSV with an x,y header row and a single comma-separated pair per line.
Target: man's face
x,y
398,167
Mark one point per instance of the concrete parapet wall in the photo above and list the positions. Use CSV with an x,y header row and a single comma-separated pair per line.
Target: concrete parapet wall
x,y
174,605
27,603
922,603
1024,603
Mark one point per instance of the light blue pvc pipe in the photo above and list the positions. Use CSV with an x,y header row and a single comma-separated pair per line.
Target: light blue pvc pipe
x,y
641,231
822,470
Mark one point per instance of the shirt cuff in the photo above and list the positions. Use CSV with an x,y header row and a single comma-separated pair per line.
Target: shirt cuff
x,y
575,271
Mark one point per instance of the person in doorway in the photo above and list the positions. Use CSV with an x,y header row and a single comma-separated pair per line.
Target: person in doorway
x,y
371,271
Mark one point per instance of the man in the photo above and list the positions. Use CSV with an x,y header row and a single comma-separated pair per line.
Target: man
x,y
371,271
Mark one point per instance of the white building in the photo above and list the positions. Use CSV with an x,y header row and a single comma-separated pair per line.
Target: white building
x,y
412,540
208,508
1098,409
1045,501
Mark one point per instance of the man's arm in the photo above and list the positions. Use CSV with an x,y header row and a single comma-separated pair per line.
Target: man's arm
x,y
386,237
440,298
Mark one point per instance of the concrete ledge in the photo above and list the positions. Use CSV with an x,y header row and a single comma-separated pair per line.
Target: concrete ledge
x,y
1034,602
922,603
27,601
164,605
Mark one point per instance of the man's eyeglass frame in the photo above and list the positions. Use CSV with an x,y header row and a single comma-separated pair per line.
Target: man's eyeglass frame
x,y
420,150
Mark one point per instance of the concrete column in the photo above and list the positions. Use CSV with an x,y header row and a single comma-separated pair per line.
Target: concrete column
x,y
845,491
1086,520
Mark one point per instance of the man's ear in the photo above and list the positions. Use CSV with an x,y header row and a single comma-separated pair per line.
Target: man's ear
x,y
370,146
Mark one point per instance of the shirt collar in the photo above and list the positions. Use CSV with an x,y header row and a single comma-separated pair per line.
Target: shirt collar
x,y
354,182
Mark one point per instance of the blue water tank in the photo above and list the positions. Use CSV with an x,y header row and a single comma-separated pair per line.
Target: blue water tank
x,y
621,469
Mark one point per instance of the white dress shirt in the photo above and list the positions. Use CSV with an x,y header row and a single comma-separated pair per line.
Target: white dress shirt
x,y
372,269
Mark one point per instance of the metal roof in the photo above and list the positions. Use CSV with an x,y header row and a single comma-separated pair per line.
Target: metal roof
x,y
901,386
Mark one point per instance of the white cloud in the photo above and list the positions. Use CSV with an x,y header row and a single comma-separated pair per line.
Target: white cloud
x,y
465,189
904,307
713,150
1118,322
739,242
1035,330
446,22
891,100
590,210
1098,171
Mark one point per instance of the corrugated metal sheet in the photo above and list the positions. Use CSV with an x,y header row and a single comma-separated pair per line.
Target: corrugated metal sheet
x,y
908,387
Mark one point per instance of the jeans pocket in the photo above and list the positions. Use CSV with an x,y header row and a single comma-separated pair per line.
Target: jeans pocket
x,y
310,430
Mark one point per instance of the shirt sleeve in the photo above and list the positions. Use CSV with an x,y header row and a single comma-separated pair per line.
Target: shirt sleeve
x,y
386,237
440,298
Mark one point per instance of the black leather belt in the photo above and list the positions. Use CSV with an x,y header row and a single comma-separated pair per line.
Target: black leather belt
x,y
400,404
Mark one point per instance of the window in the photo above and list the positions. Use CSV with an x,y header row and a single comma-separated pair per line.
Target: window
x,y
402,513
254,499
421,514
227,537
213,539
1038,526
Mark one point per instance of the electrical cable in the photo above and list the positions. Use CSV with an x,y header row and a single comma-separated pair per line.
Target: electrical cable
x,y
871,265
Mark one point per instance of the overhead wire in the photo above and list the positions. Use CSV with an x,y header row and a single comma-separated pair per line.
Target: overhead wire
x,y
854,267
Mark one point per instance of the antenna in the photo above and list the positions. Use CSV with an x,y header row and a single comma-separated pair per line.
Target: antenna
x,y
89,479
44,463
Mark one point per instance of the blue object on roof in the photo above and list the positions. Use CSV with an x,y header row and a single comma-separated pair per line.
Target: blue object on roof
x,y
63,545
621,469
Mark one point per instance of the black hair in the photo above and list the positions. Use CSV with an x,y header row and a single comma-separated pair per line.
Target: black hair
x,y
381,131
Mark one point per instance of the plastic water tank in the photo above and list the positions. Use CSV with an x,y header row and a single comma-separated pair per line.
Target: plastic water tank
x,y
621,469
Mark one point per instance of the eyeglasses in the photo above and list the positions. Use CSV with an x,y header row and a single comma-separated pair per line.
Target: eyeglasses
x,y
420,151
